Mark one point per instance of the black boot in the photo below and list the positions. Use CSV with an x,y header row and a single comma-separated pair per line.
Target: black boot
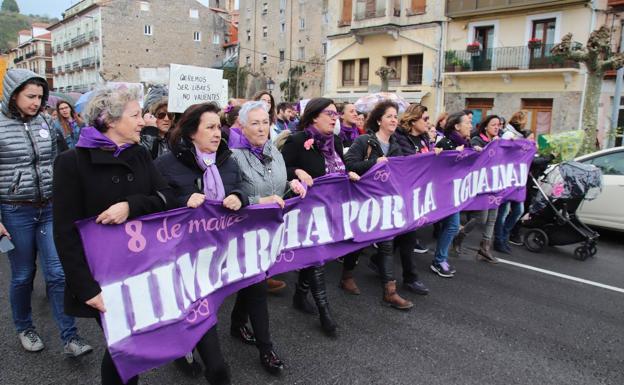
x,y
317,286
300,299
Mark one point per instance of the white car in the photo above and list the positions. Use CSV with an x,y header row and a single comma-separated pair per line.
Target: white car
x,y
607,210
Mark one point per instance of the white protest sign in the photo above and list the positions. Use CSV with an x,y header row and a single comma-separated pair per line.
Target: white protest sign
x,y
190,85
224,95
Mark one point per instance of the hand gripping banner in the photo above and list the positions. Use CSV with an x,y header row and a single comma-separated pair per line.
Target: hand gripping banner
x,y
164,276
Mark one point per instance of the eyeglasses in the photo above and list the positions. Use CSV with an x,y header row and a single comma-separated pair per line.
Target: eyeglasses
x,y
331,114
161,115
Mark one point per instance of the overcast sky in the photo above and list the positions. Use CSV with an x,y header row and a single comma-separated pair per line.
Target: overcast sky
x,y
52,8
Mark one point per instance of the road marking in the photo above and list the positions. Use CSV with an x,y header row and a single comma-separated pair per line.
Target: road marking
x,y
571,278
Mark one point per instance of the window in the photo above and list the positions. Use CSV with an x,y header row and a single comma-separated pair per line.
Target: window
x,y
247,59
325,17
147,30
282,5
324,48
265,31
364,72
543,30
216,39
301,53
345,18
394,62
540,115
610,164
481,107
196,36
414,69
281,55
282,27
144,6
348,69
301,23
194,13
265,8
417,6
248,35
264,58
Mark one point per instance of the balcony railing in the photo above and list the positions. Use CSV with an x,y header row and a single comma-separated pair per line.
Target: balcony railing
x,y
505,59
75,65
369,14
459,8
18,59
30,54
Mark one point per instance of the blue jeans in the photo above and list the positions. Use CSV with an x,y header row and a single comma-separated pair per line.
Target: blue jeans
x,y
506,220
31,232
450,228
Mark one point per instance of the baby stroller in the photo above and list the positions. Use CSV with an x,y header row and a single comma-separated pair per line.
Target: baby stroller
x,y
552,214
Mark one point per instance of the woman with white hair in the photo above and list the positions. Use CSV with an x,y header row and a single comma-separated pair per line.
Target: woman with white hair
x,y
110,177
264,181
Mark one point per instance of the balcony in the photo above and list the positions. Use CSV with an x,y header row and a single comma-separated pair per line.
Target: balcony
x,y
18,59
89,62
505,59
462,8
76,65
30,54
67,67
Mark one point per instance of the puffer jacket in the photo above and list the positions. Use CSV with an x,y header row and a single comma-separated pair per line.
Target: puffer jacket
x,y
27,148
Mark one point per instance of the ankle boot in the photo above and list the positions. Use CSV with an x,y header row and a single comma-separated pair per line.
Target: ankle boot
x,y
317,287
300,299
220,376
484,253
457,242
391,298
347,283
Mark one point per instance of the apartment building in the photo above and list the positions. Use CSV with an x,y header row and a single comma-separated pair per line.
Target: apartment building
x,y
135,41
34,52
283,46
365,35
498,59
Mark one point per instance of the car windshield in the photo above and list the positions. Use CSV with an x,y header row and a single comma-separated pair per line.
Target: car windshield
x,y
609,164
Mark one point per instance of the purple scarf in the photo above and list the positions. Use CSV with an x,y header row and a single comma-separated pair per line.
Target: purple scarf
x,y
257,151
348,133
325,145
459,140
234,140
90,137
213,185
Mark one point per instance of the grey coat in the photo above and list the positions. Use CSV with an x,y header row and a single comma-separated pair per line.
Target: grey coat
x,y
262,180
27,149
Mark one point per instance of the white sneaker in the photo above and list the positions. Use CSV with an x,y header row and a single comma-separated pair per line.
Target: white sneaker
x,y
77,347
31,341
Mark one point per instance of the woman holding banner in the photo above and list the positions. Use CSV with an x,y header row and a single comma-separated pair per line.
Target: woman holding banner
x,y
110,177
456,137
366,151
263,181
309,153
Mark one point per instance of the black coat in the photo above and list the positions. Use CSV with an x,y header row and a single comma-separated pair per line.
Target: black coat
x,y
184,176
409,143
310,161
356,158
86,183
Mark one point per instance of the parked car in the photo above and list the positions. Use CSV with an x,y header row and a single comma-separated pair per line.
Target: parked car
x,y
607,210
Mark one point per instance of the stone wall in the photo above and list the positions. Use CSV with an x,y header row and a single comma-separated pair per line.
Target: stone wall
x,y
565,110
126,48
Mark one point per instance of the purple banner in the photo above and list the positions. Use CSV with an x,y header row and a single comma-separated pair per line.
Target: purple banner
x,y
164,276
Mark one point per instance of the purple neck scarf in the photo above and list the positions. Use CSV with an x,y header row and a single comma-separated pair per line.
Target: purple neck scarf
x,y
325,145
257,151
459,140
90,137
213,185
234,140
348,133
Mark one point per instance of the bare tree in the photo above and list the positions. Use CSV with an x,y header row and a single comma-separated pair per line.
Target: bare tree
x,y
598,58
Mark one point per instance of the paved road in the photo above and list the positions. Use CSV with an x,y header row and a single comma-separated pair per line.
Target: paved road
x,y
489,325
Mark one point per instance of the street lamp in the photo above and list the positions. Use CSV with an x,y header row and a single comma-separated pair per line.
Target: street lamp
x,y
270,85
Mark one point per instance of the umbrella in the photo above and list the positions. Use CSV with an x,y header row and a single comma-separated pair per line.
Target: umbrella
x,y
368,102
83,100
56,97
74,96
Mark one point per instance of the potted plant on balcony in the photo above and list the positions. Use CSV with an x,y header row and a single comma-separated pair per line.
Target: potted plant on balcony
x,y
474,47
534,43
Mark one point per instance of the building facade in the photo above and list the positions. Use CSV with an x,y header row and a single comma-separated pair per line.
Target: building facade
x,y
365,35
34,52
282,47
134,41
498,60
